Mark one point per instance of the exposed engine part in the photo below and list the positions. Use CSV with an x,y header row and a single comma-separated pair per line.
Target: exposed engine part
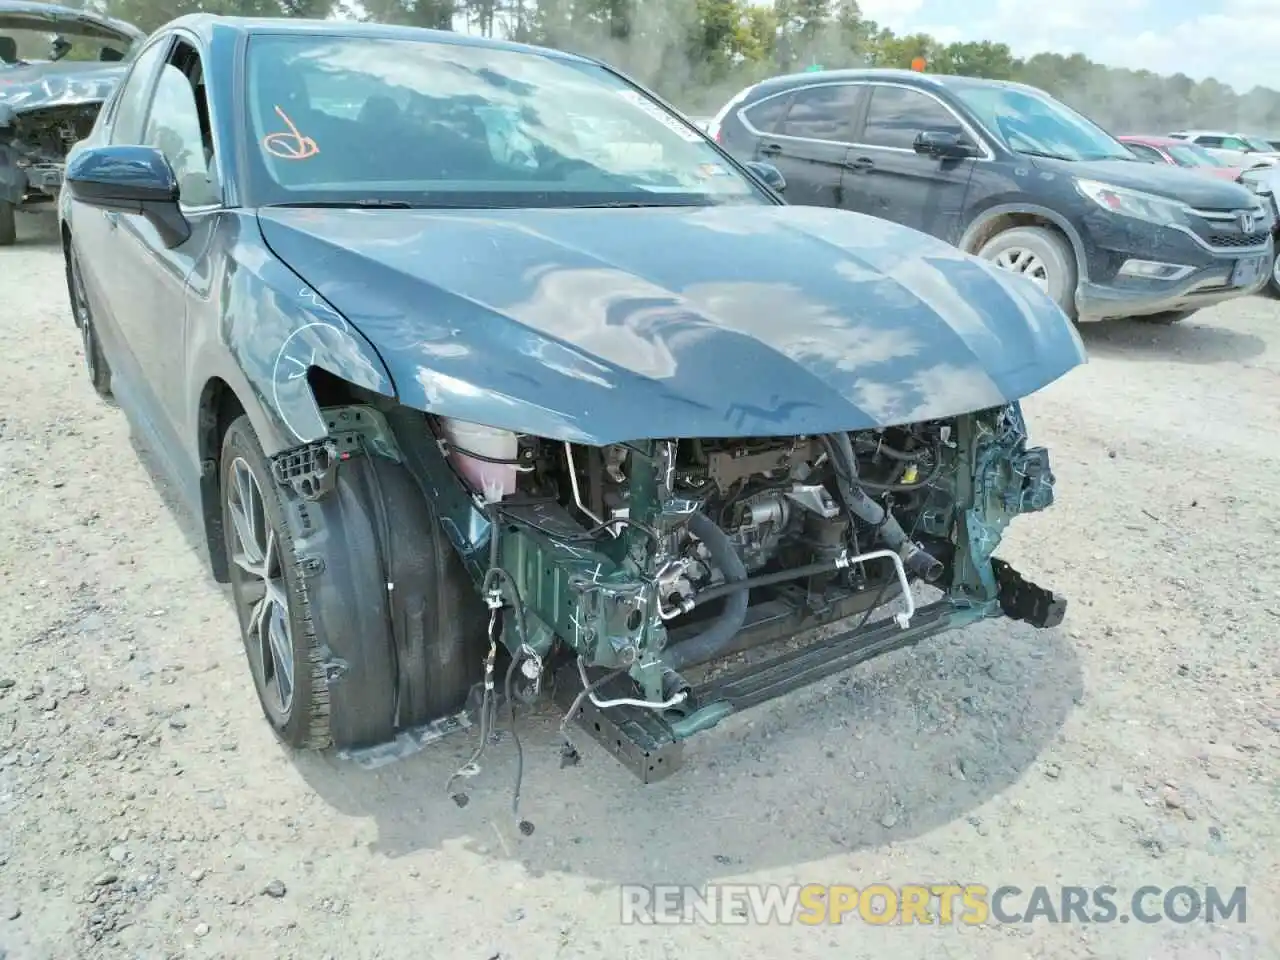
x,y
616,547
727,463
711,547
487,458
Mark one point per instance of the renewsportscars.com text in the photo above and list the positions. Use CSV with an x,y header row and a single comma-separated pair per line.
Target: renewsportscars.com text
x,y
930,904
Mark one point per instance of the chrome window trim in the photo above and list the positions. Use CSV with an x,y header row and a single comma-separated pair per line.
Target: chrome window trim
x,y
988,154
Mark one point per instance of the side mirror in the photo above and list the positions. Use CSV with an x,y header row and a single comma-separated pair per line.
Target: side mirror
x,y
770,174
130,179
943,145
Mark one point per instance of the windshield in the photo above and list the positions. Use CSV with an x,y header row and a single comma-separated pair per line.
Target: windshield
x,y
1193,155
342,119
23,45
1038,125
1261,146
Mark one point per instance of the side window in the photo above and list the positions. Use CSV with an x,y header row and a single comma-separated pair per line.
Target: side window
x,y
897,114
823,113
131,103
1209,141
1143,152
1234,143
765,115
178,126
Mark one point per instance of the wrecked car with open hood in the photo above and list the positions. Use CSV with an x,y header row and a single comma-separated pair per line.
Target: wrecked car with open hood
x,y
475,407
57,68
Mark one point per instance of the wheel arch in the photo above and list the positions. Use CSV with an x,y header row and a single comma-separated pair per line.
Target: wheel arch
x,y
1006,216
218,406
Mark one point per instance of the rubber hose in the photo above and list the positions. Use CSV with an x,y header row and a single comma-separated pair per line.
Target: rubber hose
x,y
707,644
916,560
765,580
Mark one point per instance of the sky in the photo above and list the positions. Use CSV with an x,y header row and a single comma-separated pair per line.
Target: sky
x,y
1236,41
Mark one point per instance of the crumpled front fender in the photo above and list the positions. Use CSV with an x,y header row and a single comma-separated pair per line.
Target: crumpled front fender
x,y
271,330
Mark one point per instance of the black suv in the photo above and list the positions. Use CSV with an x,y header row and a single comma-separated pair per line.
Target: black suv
x,y
1005,171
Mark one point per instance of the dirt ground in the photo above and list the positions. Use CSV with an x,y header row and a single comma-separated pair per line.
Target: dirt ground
x,y
146,811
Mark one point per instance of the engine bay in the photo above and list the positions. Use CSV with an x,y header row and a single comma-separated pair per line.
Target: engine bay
x,y
649,557
40,139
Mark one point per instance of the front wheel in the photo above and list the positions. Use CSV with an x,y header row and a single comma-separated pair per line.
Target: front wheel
x,y
8,224
275,621
1042,256
1273,282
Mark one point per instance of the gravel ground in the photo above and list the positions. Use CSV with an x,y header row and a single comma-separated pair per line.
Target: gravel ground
x,y
146,811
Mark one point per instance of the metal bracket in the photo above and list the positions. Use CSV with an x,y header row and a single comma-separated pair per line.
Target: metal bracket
x,y
639,738
1020,599
311,470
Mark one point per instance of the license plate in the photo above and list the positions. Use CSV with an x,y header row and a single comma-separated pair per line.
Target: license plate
x,y
1247,271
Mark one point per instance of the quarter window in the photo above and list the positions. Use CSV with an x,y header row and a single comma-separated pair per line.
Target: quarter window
x,y
766,114
823,113
1143,152
131,107
897,114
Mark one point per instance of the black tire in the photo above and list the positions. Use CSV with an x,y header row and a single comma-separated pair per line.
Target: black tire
x,y
304,721
95,362
8,224
1273,281
438,619
1050,251
366,660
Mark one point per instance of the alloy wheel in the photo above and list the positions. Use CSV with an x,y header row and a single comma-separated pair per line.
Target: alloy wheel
x,y
80,305
1275,271
261,591
1023,261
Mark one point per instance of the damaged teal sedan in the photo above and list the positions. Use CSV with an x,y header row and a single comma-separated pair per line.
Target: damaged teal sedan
x,y
491,377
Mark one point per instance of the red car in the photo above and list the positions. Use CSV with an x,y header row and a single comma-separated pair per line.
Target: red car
x,y
1180,153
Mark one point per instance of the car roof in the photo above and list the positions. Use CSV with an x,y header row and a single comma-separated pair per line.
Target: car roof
x,y
926,81
1152,141
209,25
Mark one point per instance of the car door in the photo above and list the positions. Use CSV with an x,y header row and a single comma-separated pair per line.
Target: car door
x,y
155,321
886,178
106,279
1220,148
810,143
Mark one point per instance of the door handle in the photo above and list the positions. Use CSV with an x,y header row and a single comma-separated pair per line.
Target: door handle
x,y
771,149
860,163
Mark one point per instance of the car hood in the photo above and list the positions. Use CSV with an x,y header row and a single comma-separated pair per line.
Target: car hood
x,y
605,325
1205,193
36,85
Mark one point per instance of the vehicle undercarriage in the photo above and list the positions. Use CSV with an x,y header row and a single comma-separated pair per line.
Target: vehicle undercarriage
x,y
609,573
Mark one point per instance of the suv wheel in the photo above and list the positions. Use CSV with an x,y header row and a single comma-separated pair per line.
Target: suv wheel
x,y
1273,282
8,224
1041,256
